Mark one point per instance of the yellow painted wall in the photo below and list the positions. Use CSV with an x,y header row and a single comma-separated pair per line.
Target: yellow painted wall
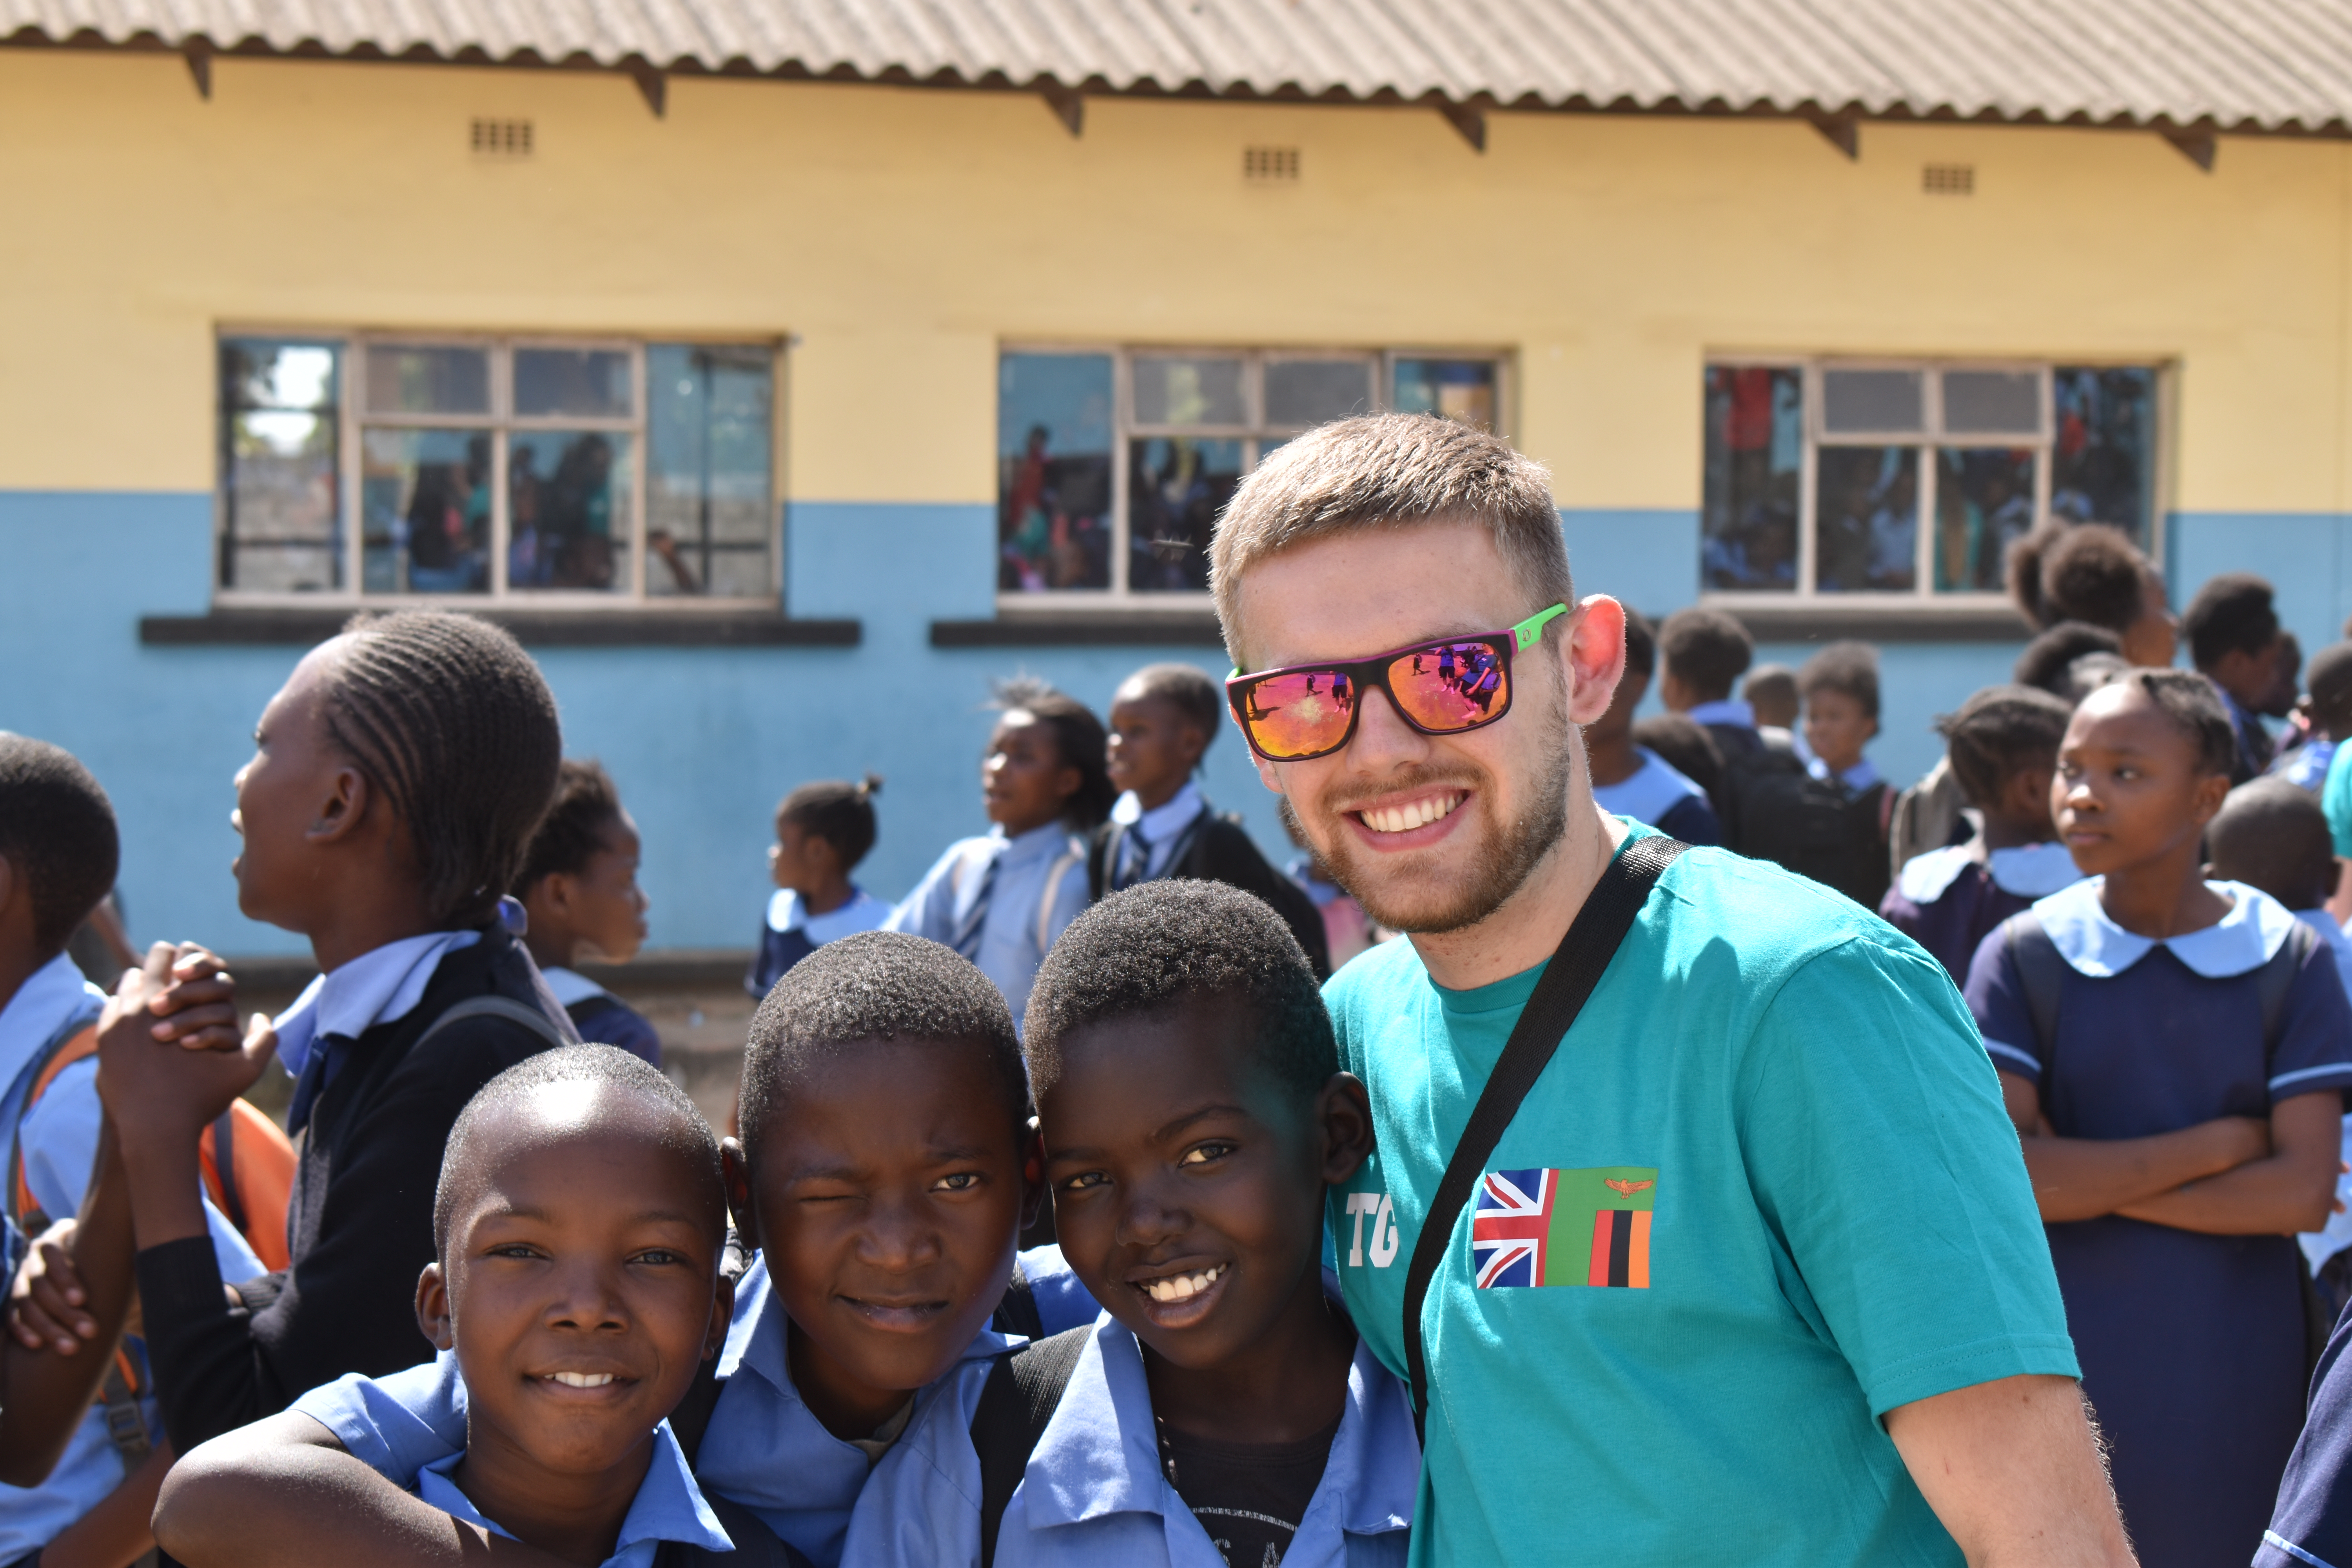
x,y
902,234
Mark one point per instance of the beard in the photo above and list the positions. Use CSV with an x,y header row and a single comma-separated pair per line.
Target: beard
x,y
1500,863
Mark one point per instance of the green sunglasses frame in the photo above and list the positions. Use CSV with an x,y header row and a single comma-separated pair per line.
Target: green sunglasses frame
x,y
1373,672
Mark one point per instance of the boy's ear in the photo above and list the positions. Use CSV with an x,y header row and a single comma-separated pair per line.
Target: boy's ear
x,y
340,815
433,1307
1344,1112
722,1313
1032,1176
736,1172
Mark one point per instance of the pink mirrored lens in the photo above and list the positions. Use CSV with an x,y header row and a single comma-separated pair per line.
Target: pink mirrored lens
x,y
1299,713
1452,685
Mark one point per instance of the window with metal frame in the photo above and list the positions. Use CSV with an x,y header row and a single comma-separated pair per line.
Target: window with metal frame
x,y
589,472
1910,480
1113,463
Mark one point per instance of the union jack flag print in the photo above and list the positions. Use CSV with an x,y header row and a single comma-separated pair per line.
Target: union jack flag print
x,y
1511,1229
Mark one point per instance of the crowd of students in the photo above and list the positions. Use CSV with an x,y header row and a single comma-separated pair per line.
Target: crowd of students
x,y
824,1340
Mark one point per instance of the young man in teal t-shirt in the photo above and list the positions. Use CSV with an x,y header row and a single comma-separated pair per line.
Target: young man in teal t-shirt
x,y
1755,1273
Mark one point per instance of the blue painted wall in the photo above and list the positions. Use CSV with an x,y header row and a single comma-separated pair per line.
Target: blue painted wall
x,y
2307,556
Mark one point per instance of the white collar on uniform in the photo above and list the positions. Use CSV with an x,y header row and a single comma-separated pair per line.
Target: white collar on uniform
x,y
2025,870
2243,940
788,911
571,988
379,986
49,995
1162,821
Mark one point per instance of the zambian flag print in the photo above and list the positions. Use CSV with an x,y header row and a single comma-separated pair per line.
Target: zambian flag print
x,y
1563,1228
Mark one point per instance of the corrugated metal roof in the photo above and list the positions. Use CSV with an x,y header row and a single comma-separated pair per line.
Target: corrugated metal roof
x,y
2238,65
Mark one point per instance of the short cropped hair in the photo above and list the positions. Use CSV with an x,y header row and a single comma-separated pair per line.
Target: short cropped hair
x,y
1688,748
1157,945
572,832
450,719
836,811
1851,668
684,1129
58,834
1770,683
1999,732
2048,658
2271,834
875,986
2233,613
1641,645
1186,688
1706,650
2188,699
2330,681
2078,571
1390,471
1080,739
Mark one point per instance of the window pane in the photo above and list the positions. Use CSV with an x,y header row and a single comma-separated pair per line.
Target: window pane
x,y
1308,391
583,382
1053,460
403,378
568,524
1755,450
281,494
710,436
2102,463
1175,488
425,511
1171,391
1992,403
1984,498
1868,402
1461,389
1867,519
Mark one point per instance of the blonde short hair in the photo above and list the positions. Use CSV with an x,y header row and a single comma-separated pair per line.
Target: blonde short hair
x,y
1390,470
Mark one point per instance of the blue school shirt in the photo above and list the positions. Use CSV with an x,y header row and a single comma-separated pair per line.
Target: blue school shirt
x,y
1157,832
2191,1345
762,1448
1094,1492
790,933
1663,796
668,1507
59,1141
1036,885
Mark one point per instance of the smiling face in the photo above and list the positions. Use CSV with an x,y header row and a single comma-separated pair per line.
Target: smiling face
x,y
1154,748
1023,782
889,1185
1188,1180
2129,788
578,1282
1431,833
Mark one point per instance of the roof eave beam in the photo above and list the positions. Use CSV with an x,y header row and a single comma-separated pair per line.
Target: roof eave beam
x,y
653,82
2197,143
1065,104
1842,131
1469,118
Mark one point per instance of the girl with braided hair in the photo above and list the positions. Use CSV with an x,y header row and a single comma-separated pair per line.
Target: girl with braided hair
x,y
396,781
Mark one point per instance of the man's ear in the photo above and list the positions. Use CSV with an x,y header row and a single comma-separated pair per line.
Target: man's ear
x,y
736,1172
432,1308
1592,657
1344,1112
339,815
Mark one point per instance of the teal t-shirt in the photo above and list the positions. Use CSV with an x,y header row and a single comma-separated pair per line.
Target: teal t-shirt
x,y
1764,1194
2336,799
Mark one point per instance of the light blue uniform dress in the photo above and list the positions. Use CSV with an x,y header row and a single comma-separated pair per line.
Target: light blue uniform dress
x,y
668,1507
1001,902
1094,1492
764,1447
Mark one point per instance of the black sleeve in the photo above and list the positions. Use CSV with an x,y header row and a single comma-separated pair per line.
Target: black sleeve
x,y
349,1304
1226,854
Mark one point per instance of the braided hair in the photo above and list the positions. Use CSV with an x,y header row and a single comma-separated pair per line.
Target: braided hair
x,y
1079,738
451,720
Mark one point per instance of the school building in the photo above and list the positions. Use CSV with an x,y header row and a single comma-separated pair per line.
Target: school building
x,y
782,374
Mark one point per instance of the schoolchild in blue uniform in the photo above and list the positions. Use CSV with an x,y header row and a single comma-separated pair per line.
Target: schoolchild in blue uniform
x,y
2002,747
580,1220
1631,780
58,854
1223,1410
2174,1053
886,1166
1001,900
822,831
578,889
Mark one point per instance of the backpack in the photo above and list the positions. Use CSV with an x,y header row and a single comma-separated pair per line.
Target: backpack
x,y
1816,827
1016,1403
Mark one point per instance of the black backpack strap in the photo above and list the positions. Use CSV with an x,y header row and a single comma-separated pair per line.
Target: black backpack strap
x,y
1102,858
1592,940
2277,978
1018,1400
1018,1312
505,1008
756,1546
2041,974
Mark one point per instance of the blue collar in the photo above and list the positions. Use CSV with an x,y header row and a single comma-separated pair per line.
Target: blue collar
x,y
668,1506
1099,1454
51,997
2239,941
1725,710
1649,792
1164,821
378,986
2024,870
1037,843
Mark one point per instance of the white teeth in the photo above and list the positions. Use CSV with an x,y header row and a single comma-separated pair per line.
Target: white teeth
x,y
1182,1287
583,1379
1411,815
